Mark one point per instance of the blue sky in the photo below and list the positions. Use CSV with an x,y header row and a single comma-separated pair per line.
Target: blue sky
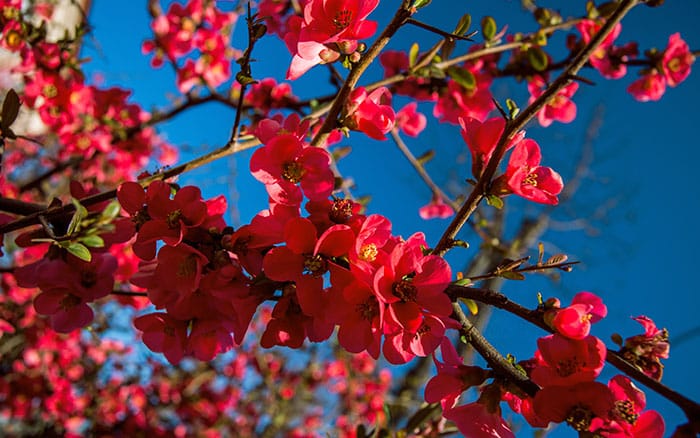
x,y
643,258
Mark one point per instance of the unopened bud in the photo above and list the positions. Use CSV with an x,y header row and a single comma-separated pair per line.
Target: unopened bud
x,y
328,56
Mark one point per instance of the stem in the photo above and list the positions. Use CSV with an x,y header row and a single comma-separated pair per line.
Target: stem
x,y
513,126
495,360
437,191
402,14
442,33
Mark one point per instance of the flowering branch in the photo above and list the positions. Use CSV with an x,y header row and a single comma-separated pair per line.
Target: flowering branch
x,y
497,299
516,124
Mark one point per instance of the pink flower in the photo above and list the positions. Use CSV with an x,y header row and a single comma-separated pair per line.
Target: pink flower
x,y
649,87
581,403
410,121
436,209
525,177
560,107
574,321
370,113
328,28
482,139
562,361
476,421
676,60
284,162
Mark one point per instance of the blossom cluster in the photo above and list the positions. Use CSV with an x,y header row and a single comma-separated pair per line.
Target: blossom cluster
x,y
565,367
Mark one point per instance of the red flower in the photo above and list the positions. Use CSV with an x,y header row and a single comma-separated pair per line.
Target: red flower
x,y
370,113
327,26
649,87
676,60
575,321
435,209
562,361
164,334
476,421
482,139
525,177
560,107
578,405
413,285
306,259
628,418
410,120
285,162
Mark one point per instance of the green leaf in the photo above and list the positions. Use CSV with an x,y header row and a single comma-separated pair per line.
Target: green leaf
x,y
80,251
93,241
463,25
426,156
494,201
513,108
617,339
463,77
80,214
538,58
244,79
10,109
488,28
111,211
511,275
413,55
421,3
463,282
471,305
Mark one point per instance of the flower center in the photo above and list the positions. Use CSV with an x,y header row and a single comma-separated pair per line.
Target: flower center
x,y
342,19
49,91
625,409
405,291
69,301
13,39
88,278
567,367
293,172
368,309
368,253
341,211
174,219
315,265
674,65
580,418
530,180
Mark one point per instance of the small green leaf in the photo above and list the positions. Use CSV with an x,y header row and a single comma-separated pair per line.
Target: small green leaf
x,y
413,55
463,25
471,305
426,156
494,201
10,109
488,28
93,241
244,79
538,58
556,259
421,4
463,282
591,10
80,251
511,275
80,214
341,152
111,211
513,108
463,77
617,339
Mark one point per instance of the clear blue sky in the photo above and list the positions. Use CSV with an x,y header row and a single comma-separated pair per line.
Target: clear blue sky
x,y
643,261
